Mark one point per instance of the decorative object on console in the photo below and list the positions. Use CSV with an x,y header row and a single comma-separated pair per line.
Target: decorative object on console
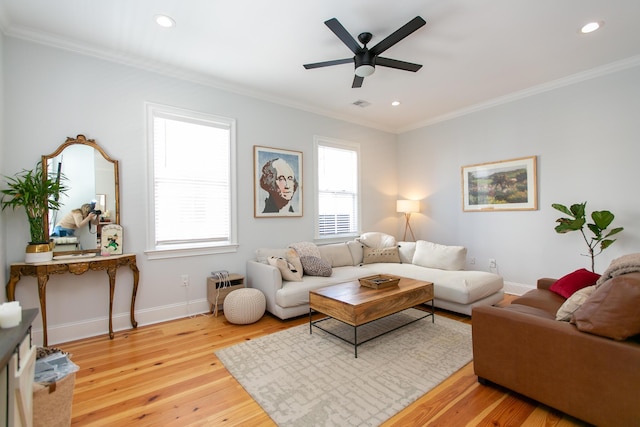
x,y
111,240
277,188
601,220
36,192
500,186
407,207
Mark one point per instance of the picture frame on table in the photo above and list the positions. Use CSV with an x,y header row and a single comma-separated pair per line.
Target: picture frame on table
x,y
111,238
277,184
505,185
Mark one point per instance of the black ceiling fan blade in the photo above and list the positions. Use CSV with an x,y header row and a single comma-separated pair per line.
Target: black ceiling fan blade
x,y
357,81
328,63
398,35
400,65
337,28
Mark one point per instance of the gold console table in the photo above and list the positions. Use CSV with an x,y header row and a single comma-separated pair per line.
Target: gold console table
x,y
76,265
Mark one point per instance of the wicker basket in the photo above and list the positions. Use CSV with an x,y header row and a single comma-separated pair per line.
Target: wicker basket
x,y
379,281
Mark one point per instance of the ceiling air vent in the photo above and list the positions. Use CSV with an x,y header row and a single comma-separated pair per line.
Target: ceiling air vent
x,y
362,104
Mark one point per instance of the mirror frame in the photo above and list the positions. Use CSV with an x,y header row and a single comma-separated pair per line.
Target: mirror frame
x,y
82,140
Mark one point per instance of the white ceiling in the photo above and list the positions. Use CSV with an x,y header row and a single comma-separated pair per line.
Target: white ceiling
x,y
473,52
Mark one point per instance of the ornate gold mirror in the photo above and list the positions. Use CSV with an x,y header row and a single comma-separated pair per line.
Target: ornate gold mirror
x,y
91,176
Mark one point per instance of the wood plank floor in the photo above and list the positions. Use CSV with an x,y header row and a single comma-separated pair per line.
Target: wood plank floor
x,y
168,375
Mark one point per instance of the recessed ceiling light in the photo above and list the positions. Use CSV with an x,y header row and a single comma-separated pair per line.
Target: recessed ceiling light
x,y
395,103
591,27
165,21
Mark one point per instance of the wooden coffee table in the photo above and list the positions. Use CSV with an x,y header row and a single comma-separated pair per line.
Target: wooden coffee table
x,y
357,305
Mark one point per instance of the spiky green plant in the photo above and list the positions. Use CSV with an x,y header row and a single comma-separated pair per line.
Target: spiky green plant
x,y
37,192
577,221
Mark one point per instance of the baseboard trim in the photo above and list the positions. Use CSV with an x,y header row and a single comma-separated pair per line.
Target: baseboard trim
x,y
514,288
66,332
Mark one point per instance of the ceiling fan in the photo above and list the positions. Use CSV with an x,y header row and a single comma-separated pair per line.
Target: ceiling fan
x,y
366,59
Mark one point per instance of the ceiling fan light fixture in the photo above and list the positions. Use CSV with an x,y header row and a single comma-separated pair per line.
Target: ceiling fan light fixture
x,y
364,70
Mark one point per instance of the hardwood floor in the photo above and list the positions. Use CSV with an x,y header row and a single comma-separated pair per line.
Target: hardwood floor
x,y
168,375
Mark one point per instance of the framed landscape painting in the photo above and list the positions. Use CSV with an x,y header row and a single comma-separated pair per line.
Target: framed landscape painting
x,y
500,186
277,188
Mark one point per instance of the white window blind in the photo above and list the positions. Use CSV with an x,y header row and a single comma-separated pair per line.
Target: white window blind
x,y
338,185
192,180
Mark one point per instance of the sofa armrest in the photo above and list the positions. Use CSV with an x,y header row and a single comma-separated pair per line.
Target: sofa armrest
x,y
545,283
584,375
266,278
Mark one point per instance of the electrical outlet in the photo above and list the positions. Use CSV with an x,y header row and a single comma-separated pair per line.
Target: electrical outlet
x,y
185,280
492,263
472,260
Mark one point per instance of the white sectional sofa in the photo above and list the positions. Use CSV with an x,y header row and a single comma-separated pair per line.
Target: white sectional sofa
x,y
455,289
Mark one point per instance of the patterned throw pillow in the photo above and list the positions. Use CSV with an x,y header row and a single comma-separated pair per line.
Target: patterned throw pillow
x,y
315,266
306,249
372,255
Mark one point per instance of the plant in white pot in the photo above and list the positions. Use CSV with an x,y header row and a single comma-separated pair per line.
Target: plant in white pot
x,y
36,192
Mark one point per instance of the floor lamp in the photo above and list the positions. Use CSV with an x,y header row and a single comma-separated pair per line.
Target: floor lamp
x,y
407,207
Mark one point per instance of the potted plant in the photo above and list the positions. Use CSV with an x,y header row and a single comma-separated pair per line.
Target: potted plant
x,y
37,192
601,220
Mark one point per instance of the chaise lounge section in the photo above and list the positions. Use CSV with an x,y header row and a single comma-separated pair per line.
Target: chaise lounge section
x,y
455,289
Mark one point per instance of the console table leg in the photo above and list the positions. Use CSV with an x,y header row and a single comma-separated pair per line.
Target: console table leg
x,y
111,271
42,295
136,278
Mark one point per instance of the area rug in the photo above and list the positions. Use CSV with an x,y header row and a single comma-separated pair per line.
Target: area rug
x,y
303,379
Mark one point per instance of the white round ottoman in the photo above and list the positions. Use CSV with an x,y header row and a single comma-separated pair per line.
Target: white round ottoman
x,y
244,306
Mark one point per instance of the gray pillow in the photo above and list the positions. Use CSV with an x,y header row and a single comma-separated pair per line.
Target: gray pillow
x,y
315,266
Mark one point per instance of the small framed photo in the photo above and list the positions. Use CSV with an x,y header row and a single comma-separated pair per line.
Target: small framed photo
x,y
277,188
505,185
111,239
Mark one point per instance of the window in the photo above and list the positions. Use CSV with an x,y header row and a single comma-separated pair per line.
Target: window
x,y
337,164
192,182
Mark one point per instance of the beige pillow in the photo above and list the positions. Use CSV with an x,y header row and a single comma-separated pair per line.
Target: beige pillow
x,y
288,271
612,310
372,255
573,303
375,239
434,255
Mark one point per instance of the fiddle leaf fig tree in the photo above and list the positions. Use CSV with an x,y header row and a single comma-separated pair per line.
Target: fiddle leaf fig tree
x,y
578,219
36,192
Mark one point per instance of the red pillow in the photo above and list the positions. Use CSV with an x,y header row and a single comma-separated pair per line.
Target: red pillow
x,y
572,282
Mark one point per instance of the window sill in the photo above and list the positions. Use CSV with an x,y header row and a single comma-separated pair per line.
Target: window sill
x,y
177,251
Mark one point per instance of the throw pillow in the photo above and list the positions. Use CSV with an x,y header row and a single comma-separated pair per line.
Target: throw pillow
x,y
375,239
306,249
573,303
434,255
287,269
336,254
567,285
315,266
407,251
372,255
612,310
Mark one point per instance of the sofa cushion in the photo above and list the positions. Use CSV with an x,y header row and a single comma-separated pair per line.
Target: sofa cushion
x,y
434,255
612,310
357,252
568,284
376,239
336,254
315,266
288,271
573,303
542,299
406,250
372,255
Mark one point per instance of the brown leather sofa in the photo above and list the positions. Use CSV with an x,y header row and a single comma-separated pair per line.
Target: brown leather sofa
x,y
522,347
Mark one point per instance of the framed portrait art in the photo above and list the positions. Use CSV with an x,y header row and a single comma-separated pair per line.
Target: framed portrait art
x,y
277,182
500,186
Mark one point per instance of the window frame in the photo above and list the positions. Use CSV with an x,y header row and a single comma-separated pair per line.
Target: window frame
x,y
319,141
154,251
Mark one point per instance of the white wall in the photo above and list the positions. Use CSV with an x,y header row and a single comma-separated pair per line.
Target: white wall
x,y
52,94
585,137
2,162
